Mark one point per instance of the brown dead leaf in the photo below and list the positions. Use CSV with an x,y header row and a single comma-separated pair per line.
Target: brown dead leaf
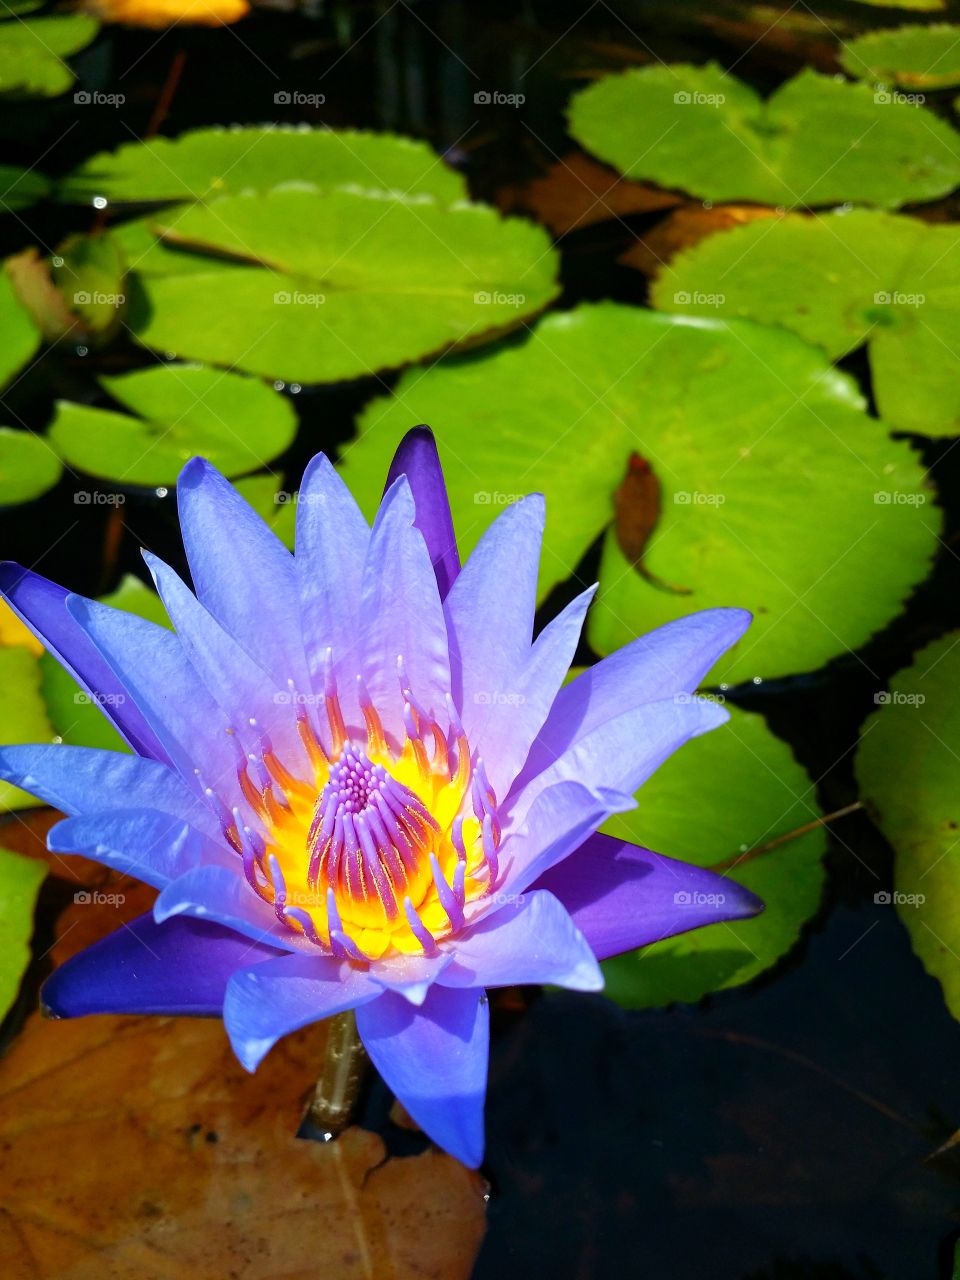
x,y
30,276
686,227
139,1149
578,192
636,505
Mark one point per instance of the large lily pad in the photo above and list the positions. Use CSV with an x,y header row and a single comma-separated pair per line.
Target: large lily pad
x,y
736,789
205,163
20,188
21,336
20,881
777,491
28,466
839,281
32,52
915,56
816,141
344,283
183,410
908,766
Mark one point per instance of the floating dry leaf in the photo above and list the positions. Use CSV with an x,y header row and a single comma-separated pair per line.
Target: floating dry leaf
x,y
169,13
686,227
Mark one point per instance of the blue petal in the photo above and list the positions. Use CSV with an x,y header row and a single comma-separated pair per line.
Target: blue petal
x,y
242,572
152,846
529,939
85,779
221,894
435,1061
177,968
623,896
41,605
418,460
410,976
401,614
490,612
268,1001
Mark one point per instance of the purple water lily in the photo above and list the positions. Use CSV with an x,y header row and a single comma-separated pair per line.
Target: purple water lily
x,y
360,783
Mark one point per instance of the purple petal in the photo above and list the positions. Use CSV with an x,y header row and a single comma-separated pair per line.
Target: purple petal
x,y
531,939
85,779
242,573
176,968
418,460
41,605
410,976
332,542
221,894
268,1001
401,613
152,846
671,660
622,896
490,612
435,1061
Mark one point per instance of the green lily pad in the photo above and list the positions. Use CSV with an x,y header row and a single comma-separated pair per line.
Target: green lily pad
x,y
215,162
76,719
89,271
23,717
777,491
28,466
21,337
20,188
735,789
815,141
839,281
920,6
374,283
20,881
33,53
236,422
922,57
908,767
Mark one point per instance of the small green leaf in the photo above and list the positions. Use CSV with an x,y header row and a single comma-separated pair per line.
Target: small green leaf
x,y
908,767
378,281
24,715
32,53
838,281
21,337
216,162
778,492
28,466
237,423
816,141
20,187
922,57
735,789
20,881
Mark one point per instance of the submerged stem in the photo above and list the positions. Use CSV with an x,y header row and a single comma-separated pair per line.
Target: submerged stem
x,y
335,1096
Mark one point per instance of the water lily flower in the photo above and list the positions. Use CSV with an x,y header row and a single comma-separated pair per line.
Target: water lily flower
x,y
360,783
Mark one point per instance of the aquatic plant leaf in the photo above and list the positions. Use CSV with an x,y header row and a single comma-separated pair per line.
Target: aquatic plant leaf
x,y
839,281
33,52
908,768
21,336
20,188
198,1170
23,714
914,56
378,281
277,506
735,789
20,881
89,271
28,466
183,410
816,140
778,492
204,163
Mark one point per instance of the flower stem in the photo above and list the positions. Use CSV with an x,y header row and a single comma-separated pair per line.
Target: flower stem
x,y
335,1096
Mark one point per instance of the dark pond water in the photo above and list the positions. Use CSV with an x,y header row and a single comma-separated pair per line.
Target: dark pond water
x,y
779,1132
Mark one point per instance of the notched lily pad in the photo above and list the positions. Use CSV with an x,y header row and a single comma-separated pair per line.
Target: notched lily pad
x,y
728,792
815,141
913,56
33,52
778,492
28,466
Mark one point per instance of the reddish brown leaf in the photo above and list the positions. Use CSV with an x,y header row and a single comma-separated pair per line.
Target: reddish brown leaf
x,y
685,227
